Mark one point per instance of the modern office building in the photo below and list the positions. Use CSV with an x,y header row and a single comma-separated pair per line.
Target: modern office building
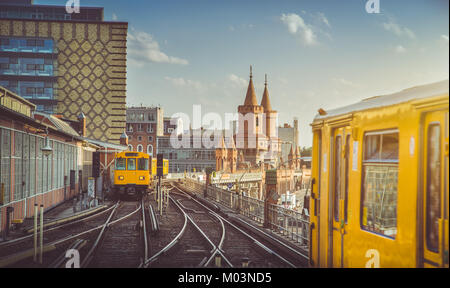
x,y
192,156
66,64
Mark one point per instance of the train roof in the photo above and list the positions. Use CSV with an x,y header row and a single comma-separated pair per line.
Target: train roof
x,y
414,93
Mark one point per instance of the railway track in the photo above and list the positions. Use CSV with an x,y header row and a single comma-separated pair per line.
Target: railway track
x,y
55,238
205,239
118,244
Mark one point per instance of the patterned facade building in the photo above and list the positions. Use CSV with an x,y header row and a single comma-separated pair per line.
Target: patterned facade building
x,y
66,64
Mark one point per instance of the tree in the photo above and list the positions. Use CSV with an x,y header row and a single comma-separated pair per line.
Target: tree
x,y
306,152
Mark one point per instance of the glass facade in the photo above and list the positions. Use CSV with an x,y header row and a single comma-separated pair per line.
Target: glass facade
x,y
34,173
186,159
28,68
43,12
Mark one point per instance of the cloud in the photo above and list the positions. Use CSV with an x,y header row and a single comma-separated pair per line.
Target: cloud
x,y
347,83
444,38
400,49
237,81
142,48
296,25
181,82
323,19
398,30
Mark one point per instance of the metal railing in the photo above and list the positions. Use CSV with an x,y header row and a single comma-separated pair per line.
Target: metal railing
x,y
291,224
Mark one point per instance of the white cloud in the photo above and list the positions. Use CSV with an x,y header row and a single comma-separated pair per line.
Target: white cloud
x,y
347,83
237,81
114,17
296,25
181,82
323,19
231,28
142,48
400,49
445,38
398,30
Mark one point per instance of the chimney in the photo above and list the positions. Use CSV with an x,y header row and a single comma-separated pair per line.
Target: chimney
x,y
82,124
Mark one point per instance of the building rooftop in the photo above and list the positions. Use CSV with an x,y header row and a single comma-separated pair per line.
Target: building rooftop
x,y
25,9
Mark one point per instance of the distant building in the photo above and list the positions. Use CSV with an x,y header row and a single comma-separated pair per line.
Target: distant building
x,y
256,142
144,125
66,64
289,137
192,157
172,125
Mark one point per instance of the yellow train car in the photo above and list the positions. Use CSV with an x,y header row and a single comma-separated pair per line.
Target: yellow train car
x,y
132,173
380,191
165,167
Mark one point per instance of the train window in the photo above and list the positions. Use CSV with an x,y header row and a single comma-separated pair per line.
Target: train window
x,y
380,181
131,164
142,164
433,186
381,147
120,164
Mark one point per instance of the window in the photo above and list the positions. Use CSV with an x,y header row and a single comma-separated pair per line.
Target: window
x,y
139,139
13,60
4,66
140,148
150,138
130,147
4,42
142,164
150,150
380,180
120,164
139,127
433,186
5,157
129,128
30,91
131,164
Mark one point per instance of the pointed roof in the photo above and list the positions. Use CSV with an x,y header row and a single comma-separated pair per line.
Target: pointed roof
x,y
250,98
222,143
292,151
297,151
265,100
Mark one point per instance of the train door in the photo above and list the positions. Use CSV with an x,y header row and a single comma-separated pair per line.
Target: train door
x,y
435,190
314,229
339,189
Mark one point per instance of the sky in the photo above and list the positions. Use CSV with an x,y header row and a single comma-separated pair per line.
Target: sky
x,y
316,53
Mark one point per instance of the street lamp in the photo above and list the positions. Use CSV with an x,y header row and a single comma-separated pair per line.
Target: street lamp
x,y
47,149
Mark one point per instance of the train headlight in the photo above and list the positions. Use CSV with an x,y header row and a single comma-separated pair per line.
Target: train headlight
x,y
142,178
120,177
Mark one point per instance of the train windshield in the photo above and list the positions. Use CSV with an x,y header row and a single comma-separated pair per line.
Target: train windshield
x,y
142,164
120,164
131,164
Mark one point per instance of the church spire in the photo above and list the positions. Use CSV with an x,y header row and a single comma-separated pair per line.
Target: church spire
x,y
265,100
250,98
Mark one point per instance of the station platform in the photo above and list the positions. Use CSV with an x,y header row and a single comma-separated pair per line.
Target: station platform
x,y
67,211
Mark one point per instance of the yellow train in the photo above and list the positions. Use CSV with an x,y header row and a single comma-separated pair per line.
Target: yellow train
x,y
380,192
134,173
